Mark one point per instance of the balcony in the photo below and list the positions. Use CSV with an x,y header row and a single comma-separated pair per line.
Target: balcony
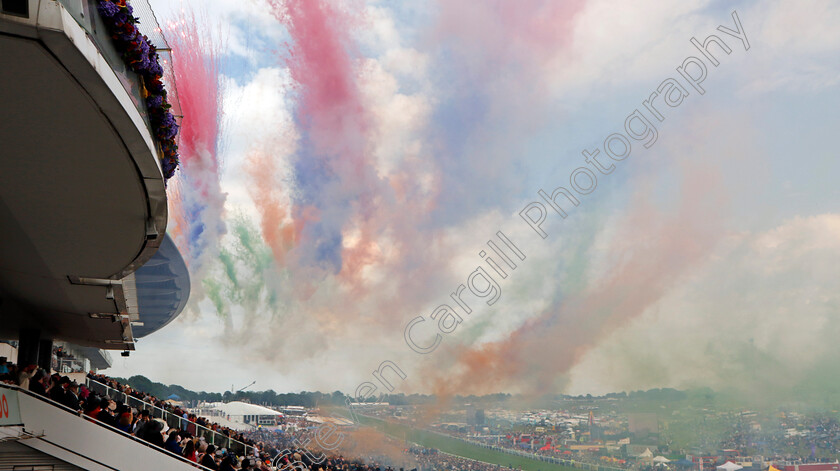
x,y
82,189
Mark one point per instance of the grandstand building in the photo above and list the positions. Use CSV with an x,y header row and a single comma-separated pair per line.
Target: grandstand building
x,y
86,266
241,415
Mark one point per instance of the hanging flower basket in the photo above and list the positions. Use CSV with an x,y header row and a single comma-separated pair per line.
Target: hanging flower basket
x,y
141,57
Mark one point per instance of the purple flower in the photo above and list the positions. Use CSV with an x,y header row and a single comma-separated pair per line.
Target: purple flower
x,y
120,17
154,101
169,165
155,68
140,55
108,9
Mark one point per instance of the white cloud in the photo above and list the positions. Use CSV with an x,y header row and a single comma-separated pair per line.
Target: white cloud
x,y
258,116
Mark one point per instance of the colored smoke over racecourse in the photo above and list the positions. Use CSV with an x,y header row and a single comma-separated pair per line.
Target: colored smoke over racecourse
x,y
341,214
197,207
386,144
654,250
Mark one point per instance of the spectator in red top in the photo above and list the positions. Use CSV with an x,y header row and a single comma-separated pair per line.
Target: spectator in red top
x,y
189,451
93,407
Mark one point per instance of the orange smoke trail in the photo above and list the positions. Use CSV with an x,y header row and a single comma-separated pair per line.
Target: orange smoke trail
x,y
279,234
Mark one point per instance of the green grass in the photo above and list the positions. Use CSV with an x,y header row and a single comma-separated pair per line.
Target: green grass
x,y
457,447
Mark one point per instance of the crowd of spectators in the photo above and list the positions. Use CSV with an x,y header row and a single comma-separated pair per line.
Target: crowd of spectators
x,y
190,420
279,448
117,414
265,444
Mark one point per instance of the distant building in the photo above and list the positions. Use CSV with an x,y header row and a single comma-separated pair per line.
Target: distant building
x,y
643,423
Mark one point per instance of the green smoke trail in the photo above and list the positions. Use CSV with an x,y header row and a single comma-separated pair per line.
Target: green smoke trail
x,y
246,275
214,292
571,265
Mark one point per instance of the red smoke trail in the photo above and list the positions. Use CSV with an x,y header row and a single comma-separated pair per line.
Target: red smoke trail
x,y
332,116
196,70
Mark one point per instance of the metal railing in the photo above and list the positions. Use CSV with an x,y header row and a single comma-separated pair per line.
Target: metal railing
x,y
70,365
212,437
102,424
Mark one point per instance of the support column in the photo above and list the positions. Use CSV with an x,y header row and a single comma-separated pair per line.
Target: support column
x,y
45,354
28,347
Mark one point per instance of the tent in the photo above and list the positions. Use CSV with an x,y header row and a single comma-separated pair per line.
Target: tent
x,y
647,454
661,459
729,466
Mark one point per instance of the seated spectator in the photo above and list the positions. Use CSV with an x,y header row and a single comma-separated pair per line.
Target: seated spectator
x,y
209,458
143,418
152,432
124,418
71,397
59,388
228,463
189,451
173,442
12,376
93,406
106,414
39,383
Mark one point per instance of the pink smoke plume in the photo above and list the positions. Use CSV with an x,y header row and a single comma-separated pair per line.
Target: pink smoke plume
x,y
200,200
336,166
336,191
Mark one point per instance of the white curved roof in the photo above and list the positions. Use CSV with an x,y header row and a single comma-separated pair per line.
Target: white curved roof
x,y
243,408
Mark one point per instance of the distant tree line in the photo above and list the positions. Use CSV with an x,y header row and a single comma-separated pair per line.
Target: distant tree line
x,y
303,398
337,398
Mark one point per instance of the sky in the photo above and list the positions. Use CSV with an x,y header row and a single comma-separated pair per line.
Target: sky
x,y
536,196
